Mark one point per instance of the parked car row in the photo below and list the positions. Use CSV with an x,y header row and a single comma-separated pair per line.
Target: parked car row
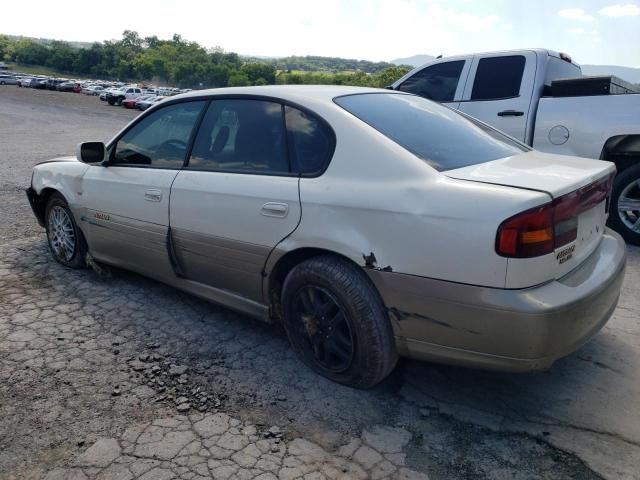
x,y
114,93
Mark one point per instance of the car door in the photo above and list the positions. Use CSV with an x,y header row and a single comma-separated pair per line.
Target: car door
x,y
499,91
441,82
127,201
237,198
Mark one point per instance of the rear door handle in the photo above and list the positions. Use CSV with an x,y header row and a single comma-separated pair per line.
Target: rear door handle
x,y
275,209
510,113
152,195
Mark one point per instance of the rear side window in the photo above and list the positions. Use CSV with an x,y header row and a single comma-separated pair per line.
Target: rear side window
x,y
498,77
242,136
438,135
311,142
437,82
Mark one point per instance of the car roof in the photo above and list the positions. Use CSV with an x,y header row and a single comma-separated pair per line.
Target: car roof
x,y
293,93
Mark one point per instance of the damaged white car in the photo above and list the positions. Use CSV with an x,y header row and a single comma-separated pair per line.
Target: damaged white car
x,y
371,223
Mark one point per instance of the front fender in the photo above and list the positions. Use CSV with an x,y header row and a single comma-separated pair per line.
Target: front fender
x,y
62,175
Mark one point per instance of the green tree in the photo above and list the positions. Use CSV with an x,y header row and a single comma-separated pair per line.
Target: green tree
x,y
238,79
254,71
6,45
30,52
61,56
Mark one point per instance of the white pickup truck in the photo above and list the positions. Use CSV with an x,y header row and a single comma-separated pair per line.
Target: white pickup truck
x,y
117,96
522,92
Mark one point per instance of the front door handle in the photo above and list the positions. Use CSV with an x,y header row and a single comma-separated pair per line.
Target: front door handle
x,y
510,113
275,209
152,195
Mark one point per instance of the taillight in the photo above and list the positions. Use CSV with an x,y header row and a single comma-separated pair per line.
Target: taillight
x,y
528,234
539,231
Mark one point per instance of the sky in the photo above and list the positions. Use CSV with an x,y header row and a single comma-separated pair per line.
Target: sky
x,y
591,31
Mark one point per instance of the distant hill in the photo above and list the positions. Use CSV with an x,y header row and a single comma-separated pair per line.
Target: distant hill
x,y
414,61
314,63
629,74
48,41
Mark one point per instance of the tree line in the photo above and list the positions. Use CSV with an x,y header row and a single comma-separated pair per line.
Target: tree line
x,y
187,64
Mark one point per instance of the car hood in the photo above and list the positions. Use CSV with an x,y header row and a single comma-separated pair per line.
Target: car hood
x,y
69,158
552,174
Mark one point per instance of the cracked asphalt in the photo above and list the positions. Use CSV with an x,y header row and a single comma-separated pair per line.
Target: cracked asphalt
x,y
122,377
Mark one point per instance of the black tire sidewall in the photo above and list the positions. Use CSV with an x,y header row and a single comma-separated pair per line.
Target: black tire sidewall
x,y
374,343
620,182
77,260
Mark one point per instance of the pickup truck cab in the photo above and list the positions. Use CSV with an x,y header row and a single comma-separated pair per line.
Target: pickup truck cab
x,y
512,91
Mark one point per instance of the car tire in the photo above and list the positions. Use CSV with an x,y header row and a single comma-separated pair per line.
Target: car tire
x,y
337,323
119,101
66,242
626,186
111,101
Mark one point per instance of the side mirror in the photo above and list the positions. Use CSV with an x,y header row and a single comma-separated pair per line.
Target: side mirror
x,y
91,152
389,87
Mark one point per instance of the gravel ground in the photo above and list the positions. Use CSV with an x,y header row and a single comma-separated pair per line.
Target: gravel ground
x,y
123,377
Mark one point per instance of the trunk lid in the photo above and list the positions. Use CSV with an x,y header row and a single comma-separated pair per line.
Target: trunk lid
x,y
565,179
556,175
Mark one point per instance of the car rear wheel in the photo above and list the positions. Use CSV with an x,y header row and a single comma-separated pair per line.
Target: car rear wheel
x,y
66,243
336,322
624,214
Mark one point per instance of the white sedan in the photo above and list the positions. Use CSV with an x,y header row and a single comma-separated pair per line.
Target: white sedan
x,y
371,223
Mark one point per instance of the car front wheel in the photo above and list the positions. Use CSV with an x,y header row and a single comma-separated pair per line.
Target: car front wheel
x,y
337,323
624,214
66,243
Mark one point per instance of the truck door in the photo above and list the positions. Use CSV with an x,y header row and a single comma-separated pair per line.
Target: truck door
x,y
499,91
441,82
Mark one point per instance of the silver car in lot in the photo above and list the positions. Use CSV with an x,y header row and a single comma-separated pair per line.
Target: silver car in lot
x,y
370,223
8,79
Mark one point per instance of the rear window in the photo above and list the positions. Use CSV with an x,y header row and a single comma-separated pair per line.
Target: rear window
x,y
558,69
438,135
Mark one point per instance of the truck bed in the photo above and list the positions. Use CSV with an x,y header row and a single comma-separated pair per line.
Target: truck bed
x,y
582,125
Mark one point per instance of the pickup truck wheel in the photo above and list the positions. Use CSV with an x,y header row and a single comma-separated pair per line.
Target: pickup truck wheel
x,y
111,101
337,323
66,243
624,214
119,101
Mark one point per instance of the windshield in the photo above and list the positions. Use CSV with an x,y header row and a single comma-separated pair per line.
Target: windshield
x,y
438,135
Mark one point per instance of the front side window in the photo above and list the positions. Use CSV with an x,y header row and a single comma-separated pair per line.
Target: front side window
x,y
160,139
437,82
438,135
311,143
241,136
498,77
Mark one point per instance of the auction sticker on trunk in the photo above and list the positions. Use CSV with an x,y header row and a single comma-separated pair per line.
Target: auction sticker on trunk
x,y
566,254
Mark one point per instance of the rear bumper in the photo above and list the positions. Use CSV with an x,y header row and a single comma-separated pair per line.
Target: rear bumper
x,y
516,330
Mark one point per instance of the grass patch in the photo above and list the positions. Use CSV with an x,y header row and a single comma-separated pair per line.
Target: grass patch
x,y
35,70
